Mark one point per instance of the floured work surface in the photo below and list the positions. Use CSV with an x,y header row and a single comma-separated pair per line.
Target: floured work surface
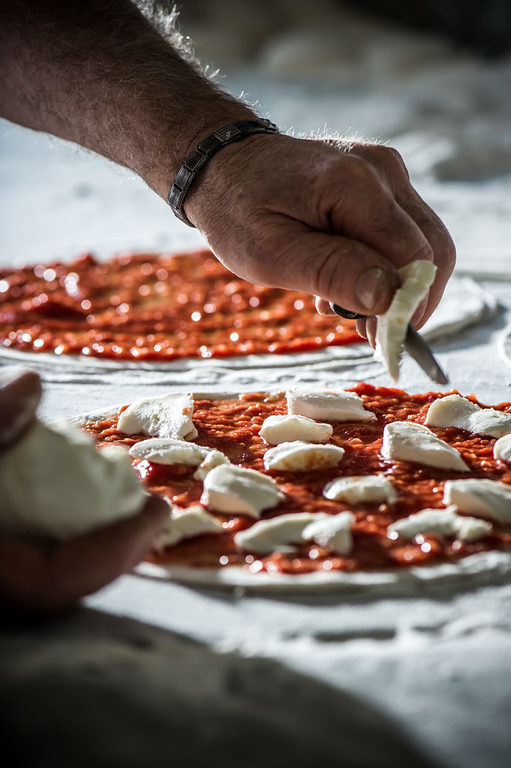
x,y
372,554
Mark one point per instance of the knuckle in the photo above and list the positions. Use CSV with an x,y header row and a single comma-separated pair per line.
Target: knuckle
x,y
423,252
359,169
388,159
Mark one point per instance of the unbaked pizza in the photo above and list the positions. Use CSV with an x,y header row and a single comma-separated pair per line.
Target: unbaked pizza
x,y
157,308
363,487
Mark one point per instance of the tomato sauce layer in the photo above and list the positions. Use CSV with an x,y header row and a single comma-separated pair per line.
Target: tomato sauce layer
x,y
157,308
232,426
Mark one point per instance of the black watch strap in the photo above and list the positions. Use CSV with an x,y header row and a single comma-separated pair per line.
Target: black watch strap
x,y
197,159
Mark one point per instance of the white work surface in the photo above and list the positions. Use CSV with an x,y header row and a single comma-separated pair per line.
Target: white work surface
x,y
366,681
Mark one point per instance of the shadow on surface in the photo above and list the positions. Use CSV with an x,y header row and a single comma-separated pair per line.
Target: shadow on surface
x,y
95,690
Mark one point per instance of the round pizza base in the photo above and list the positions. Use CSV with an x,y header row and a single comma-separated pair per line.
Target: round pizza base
x,y
463,304
474,570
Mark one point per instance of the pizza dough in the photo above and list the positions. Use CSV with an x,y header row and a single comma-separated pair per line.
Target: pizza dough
x,y
480,568
464,303
57,484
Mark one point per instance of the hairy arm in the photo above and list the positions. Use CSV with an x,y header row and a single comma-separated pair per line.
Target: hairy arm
x,y
334,220
99,74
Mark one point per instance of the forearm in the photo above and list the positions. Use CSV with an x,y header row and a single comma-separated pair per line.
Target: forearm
x,y
99,74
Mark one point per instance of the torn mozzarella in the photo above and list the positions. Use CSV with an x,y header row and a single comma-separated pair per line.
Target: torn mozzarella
x,y
167,450
283,429
488,498
457,411
280,533
56,483
186,523
407,441
502,448
233,489
302,457
442,522
212,459
392,326
324,404
332,532
373,489
162,416
276,534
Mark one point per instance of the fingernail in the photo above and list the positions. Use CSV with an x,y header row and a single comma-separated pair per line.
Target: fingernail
x,y
373,288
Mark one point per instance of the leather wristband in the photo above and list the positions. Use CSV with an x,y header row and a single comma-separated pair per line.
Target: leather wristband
x,y
204,151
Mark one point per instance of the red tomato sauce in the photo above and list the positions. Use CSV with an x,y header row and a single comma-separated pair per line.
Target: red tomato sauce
x,y
157,308
232,426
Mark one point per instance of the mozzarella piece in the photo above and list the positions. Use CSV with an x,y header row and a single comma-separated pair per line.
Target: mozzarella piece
x,y
212,459
457,411
502,448
443,522
302,457
392,326
233,489
325,404
56,483
162,416
373,489
488,498
167,450
185,524
332,532
407,441
280,533
276,534
283,429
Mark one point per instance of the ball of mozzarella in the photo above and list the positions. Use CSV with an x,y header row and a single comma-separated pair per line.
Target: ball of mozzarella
x,y
55,483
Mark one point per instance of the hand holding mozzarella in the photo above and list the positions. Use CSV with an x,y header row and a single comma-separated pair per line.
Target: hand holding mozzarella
x,y
71,518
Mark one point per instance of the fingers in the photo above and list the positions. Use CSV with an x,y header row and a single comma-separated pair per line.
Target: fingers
x,y
48,579
393,170
444,252
363,207
20,394
323,307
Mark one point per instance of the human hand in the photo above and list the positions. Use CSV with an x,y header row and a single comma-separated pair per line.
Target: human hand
x,y
325,218
45,577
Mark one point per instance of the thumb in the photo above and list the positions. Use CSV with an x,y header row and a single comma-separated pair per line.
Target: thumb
x,y
338,269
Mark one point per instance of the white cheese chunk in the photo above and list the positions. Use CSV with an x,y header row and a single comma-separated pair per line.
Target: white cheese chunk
x,y
392,326
56,483
302,457
162,416
372,489
167,450
324,404
232,489
212,459
443,522
407,441
280,533
457,411
276,534
283,429
332,532
185,524
488,498
502,448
